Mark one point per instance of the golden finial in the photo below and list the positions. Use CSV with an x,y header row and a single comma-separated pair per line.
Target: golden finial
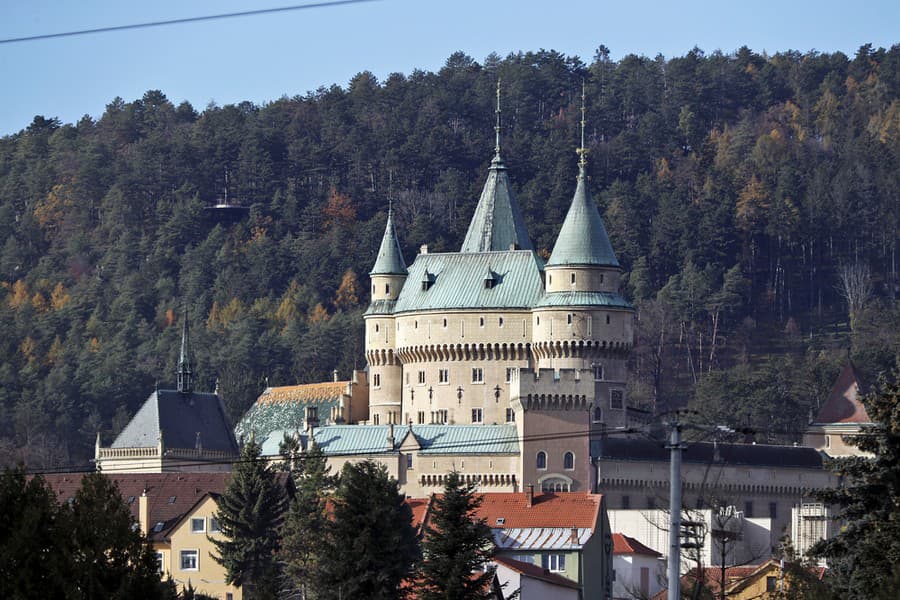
x,y
497,126
582,151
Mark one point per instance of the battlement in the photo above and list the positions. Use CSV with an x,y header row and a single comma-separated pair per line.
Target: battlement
x,y
552,389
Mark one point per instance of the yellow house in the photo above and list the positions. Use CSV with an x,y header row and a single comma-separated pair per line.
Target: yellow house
x,y
766,581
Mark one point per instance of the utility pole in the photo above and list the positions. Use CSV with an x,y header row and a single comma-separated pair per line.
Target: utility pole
x,y
675,508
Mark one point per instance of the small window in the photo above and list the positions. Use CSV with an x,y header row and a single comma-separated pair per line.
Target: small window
x,y
409,461
510,415
569,461
500,321
601,277
189,560
607,319
130,499
172,499
376,380
159,562
555,563
651,502
442,417
415,324
508,374
373,289
616,399
573,278
444,376
387,288
445,323
541,460
375,419
538,320
828,441
421,417
377,328
748,509
773,510
158,527
626,502
214,525
501,520
481,321
598,372
771,583
598,414
421,377
477,375
549,279
569,319
478,415
198,525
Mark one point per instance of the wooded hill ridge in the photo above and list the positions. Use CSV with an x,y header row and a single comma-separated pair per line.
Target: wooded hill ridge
x,y
751,199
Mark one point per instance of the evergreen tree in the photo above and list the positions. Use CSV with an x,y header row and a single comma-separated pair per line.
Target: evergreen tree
x,y
371,545
249,514
305,522
864,558
457,547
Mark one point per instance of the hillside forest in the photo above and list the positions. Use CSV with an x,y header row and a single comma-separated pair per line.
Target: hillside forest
x,y
752,200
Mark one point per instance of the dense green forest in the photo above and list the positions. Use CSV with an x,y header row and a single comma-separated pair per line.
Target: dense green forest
x,y
752,200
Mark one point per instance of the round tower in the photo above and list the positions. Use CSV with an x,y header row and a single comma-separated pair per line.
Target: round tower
x,y
385,370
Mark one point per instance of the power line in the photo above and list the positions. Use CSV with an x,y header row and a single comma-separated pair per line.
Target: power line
x,y
246,13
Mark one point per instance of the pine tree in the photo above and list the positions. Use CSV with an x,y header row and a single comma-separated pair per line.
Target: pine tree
x,y
457,547
249,514
305,522
371,545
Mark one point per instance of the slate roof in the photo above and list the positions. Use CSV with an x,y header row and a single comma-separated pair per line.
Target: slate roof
x,y
342,440
576,299
170,495
390,257
459,281
758,455
843,404
582,239
535,572
497,223
283,408
179,417
623,544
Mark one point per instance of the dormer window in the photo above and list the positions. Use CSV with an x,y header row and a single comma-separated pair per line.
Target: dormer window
x,y
490,280
427,281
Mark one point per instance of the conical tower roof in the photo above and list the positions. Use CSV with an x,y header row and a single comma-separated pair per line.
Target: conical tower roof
x,y
185,370
497,223
583,239
390,258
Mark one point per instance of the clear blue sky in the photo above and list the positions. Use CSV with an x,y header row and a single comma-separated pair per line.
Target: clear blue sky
x,y
261,58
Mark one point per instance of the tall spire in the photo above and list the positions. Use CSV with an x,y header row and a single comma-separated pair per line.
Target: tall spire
x,y
497,223
185,373
582,239
390,258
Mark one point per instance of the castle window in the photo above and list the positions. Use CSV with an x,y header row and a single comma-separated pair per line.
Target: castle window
x,y
598,372
549,279
508,374
445,322
500,322
376,380
421,417
541,460
510,415
573,278
443,375
748,509
538,320
598,414
477,375
478,415
373,289
421,377
409,461
626,502
773,510
607,319
415,324
617,399
481,321
376,328
601,277
569,319
375,420
387,288
569,461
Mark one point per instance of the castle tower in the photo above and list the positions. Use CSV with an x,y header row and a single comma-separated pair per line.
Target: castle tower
x,y
385,371
582,322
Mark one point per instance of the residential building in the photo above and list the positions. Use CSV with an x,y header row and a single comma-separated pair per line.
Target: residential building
x,y
533,582
842,414
639,571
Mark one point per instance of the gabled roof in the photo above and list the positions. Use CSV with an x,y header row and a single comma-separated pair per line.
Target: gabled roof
x,y
459,281
535,572
548,510
170,496
759,455
180,417
844,404
390,257
497,223
582,239
623,544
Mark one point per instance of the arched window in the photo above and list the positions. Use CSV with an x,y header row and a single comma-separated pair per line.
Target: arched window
x,y
569,461
541,462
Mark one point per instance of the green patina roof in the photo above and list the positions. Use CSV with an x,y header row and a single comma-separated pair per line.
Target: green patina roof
x,y
573,299
264,418
497,223
459,281
390,258
380,307
582,239
341,440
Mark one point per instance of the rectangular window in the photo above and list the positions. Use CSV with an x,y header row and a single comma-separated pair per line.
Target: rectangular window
x,y
748,510
421,417
617,399
555,563
442,416
598,372
626,502
771,584
189,560
569,319
198,525
159,562
409,461
444,376
510,415
477,375
508,374
477,415
773,510
214,525
375,419
421,377
376,380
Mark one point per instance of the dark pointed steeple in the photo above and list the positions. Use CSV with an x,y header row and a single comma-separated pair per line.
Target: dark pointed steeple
x,y
185,371
497,223
582,239
390,258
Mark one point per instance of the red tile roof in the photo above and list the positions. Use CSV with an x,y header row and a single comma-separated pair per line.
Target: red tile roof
x,y
170,495
315,392
622,544
564,509
843,404
535,572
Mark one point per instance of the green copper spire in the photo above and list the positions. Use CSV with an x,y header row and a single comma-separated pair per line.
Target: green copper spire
x,y
390,258
497,223
185,382
583,239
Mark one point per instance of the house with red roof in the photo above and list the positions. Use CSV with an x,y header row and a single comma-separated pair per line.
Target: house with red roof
x,y
556,536
842,414
640,570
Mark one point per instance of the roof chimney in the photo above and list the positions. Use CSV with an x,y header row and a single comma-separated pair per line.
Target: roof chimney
x,y
391,435
423,249
573,536
144,513
334,375
529,495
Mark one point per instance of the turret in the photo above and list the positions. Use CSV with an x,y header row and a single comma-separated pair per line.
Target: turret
x,y
184,375
389,272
